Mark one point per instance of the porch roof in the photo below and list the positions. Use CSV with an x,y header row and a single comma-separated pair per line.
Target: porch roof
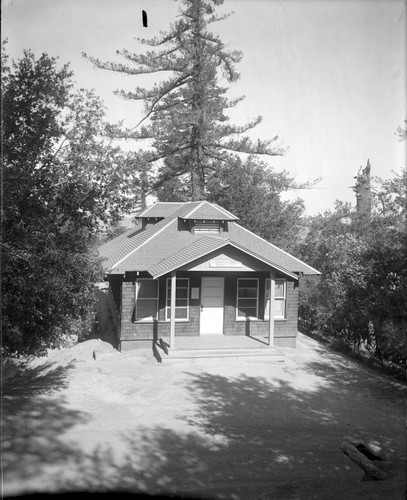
x,y
163,247
201,248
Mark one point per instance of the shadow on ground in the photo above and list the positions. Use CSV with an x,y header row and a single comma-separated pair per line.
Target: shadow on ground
x,y
32,423
250,436
278,438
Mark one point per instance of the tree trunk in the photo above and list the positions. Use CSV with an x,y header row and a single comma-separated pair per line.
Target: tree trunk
x,y
363,462
363,192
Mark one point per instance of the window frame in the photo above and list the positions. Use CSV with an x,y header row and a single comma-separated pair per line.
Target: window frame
x,y
245,318
168,299
151,319
207,226
283,299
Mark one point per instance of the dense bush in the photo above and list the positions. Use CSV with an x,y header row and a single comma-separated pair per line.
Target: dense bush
x,y
360,298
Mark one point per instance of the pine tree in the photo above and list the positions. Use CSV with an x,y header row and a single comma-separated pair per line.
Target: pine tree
x,y
185,113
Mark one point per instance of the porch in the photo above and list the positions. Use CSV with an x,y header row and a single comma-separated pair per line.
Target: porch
x,y
216,346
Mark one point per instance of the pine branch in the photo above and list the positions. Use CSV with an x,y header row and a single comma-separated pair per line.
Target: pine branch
x,y
211,154
152,62
226,130
245,145
168,154
174,34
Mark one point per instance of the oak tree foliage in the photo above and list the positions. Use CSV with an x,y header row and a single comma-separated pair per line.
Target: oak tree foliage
x,y
61,179
360,298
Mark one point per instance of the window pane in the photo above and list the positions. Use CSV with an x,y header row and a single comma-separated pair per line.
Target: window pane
x,y
181,302
248,283
247,303
279,291
267,289
279,309
181,299
245,312
147,289
247,298
182,289
267,309
146,309
279,306
248,292
180,313
207,226
182,283
182,293
178,301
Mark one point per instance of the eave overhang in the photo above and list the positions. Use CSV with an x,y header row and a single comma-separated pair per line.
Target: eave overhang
x,y
173,263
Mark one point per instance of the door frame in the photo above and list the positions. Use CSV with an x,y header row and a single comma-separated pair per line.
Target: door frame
x,y
223,304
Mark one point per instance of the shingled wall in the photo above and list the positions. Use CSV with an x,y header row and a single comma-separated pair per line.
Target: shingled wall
x,y
141,334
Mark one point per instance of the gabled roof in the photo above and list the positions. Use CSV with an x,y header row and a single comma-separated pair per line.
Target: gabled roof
x,y
163,247
200,248
196,249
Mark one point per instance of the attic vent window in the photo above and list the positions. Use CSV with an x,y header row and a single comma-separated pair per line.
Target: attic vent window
x,y
206,226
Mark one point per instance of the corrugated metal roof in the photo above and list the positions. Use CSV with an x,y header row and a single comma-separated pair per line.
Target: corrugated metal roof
x,y
162,246
250,241
160,209
122,247
118,247
195,250
210,211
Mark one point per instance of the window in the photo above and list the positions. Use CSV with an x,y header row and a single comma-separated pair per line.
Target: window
x,y
279,299
247,298
207,227
146,300
181,299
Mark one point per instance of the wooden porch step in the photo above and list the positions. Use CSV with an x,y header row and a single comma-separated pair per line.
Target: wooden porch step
x,y
227,353
162,351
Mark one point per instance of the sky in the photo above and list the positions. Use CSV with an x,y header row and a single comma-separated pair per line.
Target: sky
x,y
327,76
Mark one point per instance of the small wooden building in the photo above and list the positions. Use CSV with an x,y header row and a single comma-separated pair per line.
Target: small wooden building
x,y
190,270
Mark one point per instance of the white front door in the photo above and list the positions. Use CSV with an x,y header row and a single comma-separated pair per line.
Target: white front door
x,y
212,306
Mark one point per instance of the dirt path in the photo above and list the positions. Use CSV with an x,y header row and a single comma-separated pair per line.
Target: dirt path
x,y
214,429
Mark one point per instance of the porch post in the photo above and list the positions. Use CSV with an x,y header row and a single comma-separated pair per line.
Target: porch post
x,y
172,320
271,308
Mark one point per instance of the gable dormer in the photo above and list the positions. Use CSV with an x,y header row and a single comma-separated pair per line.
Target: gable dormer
x,y
208,218
203,226
149,221
157,213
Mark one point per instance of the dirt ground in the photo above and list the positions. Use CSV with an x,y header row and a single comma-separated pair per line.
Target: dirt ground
x,y
233,429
